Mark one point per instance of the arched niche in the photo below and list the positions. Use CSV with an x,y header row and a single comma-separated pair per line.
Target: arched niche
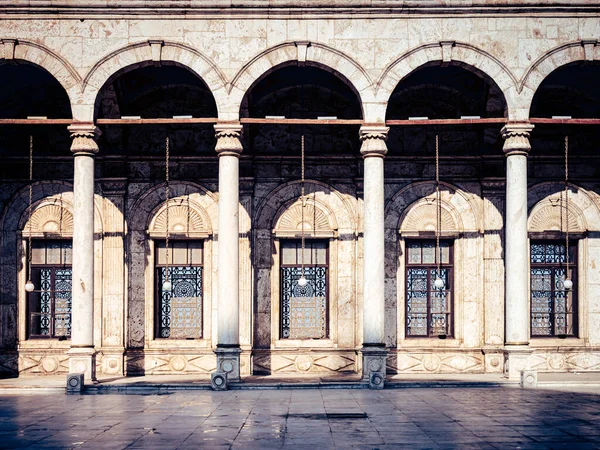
x,y
193,215
51,217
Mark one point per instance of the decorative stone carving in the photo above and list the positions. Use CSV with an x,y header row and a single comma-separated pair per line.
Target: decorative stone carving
x,y
50,217
277,362
317,221
422,217
373,140
43,363
516,138
228,139
156,50
158,362
84,136
302,47
551,216
185,217
448,361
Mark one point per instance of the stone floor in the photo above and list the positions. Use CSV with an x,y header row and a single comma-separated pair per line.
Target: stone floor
x,y
411,418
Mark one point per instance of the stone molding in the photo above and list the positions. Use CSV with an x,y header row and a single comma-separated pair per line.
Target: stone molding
x,y
373,140
516,138
84,137
229,139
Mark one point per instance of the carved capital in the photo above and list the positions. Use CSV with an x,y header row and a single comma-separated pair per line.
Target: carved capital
x,y
84,137
516,138
373,140
228,139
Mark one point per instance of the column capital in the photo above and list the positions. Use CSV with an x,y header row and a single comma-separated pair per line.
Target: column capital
x,y
229,139
373,139
84,137
516,138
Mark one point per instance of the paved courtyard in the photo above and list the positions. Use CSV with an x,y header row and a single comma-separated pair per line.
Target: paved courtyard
x,y
422,418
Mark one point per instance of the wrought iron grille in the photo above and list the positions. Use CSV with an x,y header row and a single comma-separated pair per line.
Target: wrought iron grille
x,y
428,309
180,310
304,309
553,309
49,305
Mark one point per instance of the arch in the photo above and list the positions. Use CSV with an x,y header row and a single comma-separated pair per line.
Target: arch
x,y
339,212
145,53
319,220
543,202
310,53
546,64
149,213
56,65
461,207
50,216
45,194
461,53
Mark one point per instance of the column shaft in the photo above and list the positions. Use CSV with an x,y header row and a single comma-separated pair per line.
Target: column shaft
x,y
228,350
516,147
374,353
82,354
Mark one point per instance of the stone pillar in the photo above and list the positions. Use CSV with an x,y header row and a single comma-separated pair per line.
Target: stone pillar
x,y
516,350
228,350
373,351
82,354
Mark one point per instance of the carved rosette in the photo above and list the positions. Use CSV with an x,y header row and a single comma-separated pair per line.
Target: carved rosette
x,y
373,141
84,139
228,139
516,138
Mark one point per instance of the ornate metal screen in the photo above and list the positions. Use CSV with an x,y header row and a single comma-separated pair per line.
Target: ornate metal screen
x,y
553,309
50,304
428,309
304,308
179,311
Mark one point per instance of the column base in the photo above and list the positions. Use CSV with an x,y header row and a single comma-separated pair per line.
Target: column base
x,y
516,360
374,359
228,361
83,360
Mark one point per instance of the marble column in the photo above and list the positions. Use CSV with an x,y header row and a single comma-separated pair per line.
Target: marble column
x,y
82,355
374,353
516,350
228,350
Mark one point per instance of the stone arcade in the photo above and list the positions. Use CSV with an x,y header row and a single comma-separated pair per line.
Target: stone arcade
x,y
234,86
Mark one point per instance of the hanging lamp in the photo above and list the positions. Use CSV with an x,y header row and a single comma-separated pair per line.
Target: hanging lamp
x,y
302,281
167,285
568,283
29,286
438,283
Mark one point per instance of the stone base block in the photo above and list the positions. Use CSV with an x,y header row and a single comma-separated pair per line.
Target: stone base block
x,y
516,360
218,381
374,366
83,361
528,379
75,383
228,361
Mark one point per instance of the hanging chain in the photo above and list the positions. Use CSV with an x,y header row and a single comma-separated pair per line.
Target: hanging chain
x,y
303,200
438,210
567,204
29,249
167,211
